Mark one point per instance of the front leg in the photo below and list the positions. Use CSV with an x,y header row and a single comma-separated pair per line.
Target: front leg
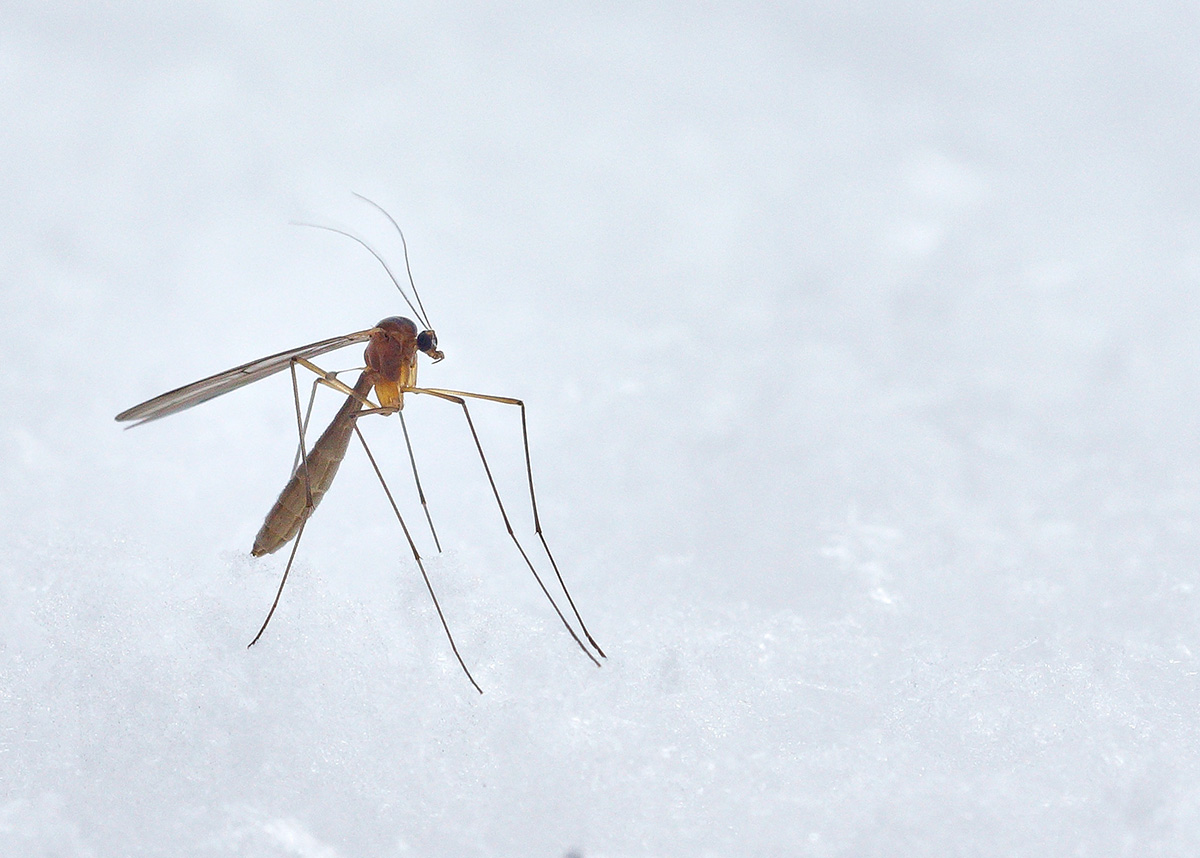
x,y
457,395
457,398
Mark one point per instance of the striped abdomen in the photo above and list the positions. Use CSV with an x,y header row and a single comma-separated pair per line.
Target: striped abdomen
x,y
284,519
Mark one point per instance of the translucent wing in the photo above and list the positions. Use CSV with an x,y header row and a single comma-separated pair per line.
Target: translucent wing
x,y
223,382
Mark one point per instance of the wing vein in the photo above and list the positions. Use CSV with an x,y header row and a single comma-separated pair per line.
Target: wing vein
x,y
205,389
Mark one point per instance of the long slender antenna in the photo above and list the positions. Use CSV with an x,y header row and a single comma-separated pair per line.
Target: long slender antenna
x,y
386,267
403,242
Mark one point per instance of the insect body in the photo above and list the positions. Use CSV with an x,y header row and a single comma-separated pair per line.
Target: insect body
x,y
393,346
391,358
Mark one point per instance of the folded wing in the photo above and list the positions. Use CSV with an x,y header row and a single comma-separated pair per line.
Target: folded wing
x,y
223,382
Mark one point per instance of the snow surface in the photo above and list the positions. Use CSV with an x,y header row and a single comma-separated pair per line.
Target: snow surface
x,y
860,343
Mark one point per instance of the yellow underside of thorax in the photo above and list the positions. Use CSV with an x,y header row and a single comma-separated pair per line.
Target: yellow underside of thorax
x,y
391,393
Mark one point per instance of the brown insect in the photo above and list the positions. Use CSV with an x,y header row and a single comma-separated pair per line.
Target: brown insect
x,y
390,372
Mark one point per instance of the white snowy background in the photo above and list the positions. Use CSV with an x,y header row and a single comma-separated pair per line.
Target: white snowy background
x,y
861,348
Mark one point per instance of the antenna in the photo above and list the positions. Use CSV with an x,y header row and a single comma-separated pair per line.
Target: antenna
x,y
419,313
403,243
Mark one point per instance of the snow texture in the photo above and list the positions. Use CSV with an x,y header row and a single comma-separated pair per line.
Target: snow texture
x,y
860,344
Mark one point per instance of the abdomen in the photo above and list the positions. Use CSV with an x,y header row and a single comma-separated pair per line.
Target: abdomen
x,y
290,510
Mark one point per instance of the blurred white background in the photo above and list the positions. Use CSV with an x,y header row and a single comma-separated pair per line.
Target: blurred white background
x,y
860,347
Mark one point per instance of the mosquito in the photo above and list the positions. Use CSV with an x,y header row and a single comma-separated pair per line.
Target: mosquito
x,y
390,372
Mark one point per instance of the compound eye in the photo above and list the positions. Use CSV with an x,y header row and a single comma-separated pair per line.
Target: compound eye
x,y
426,341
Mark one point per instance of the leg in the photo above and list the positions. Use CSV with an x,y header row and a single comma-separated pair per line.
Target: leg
x,y
283,581
416,556
329,379
417,479
537,524
312,397
453,397
300,426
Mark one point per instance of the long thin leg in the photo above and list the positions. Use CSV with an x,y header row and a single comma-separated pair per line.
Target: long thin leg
x,y
300,430
417,479
417,557
312,398
300,425
279,592
451,397
537,524
330,380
